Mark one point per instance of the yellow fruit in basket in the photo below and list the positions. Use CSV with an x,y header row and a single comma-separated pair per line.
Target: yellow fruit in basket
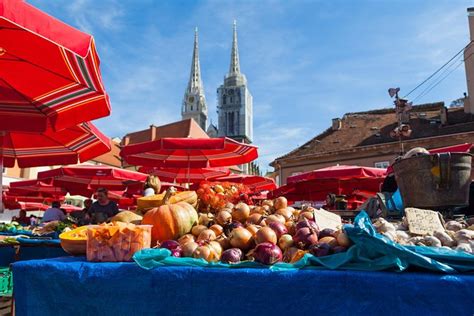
x,y
74,242
127,217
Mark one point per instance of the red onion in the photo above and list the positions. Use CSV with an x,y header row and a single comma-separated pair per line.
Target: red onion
x,y
171,245
279,228
231,255
320,250
305,237
327,232
267,253
307,223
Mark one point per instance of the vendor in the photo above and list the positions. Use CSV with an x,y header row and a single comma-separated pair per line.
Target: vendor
x,y
22,219
102,209
152,186
82,217
54,213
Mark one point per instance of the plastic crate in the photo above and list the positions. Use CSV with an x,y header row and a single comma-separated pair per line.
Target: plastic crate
x,y
6,282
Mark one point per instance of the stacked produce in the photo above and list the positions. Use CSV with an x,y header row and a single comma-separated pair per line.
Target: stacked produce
x,y
270,233
116,241
457,235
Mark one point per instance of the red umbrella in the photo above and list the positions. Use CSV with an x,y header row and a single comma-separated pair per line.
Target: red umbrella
x,y
49,72
35,187
339,173
82,142
78,178
189,153
185,175
460,148
255,183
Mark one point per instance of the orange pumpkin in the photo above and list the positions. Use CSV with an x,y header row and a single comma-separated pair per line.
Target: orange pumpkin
x,y
185,196
170,221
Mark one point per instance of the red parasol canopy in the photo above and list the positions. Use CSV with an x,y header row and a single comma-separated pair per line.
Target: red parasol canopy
x,y
82,142
189,153
35,187
342,172
460,148
255,183
78,178
49,72
182,175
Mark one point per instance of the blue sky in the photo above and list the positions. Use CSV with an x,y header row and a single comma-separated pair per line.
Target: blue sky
x,y
306,61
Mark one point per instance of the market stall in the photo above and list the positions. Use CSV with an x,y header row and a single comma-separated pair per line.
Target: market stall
x,y
85,288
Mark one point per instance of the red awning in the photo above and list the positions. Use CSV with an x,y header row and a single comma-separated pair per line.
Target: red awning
x,y
461,148
339,172
189,153
68,146
49,72
184,175
255,183
76,179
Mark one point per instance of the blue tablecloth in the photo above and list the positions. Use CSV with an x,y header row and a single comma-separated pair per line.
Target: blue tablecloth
x,y
31,249
68,285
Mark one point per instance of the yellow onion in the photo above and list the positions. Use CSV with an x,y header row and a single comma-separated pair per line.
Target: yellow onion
x,y
291,227
268,203
224,241
285,242
241,238
204,252
266,234
223,217
275,217
196,230
216,248
307,215
217,229
205,219
293,254
257,210
287,212
241,212
342,239
189,248
207,235
331,241
280,202
253,229
255,219
185,239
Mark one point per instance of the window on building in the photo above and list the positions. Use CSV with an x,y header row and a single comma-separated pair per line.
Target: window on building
x,y
382,164
4,171
231,100
191,107
231,123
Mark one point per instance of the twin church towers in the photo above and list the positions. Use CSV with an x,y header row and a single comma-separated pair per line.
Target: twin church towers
x,y
234,107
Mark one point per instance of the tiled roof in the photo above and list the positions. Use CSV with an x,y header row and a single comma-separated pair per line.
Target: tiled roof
x,y
184,128
112,158
374,127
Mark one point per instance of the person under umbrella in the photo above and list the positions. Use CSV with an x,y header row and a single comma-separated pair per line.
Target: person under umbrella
x,y
102,209
54,213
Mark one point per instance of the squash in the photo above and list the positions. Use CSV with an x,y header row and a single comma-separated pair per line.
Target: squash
x,y
185,196
170,221
127,217
74,242
157,200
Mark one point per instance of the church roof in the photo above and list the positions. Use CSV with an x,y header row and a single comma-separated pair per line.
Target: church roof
x,y
181,129
373,128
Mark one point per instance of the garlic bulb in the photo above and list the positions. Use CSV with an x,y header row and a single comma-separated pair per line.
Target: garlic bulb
x,y
431,241
453,225
383,226
445,239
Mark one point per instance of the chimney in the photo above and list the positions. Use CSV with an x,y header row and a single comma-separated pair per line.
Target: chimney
x,y
444,115
336,124
469,65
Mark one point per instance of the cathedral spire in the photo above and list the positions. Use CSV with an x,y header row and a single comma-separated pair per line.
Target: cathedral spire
x,y
195,83
234,57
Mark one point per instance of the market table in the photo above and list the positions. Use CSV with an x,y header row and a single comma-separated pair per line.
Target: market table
x,y
29,249
69,285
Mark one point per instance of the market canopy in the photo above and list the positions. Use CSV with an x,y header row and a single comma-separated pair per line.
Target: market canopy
x,y
49,72
77,178
189,153
68,146
35,187
182,175
254,182
342,172
460,148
